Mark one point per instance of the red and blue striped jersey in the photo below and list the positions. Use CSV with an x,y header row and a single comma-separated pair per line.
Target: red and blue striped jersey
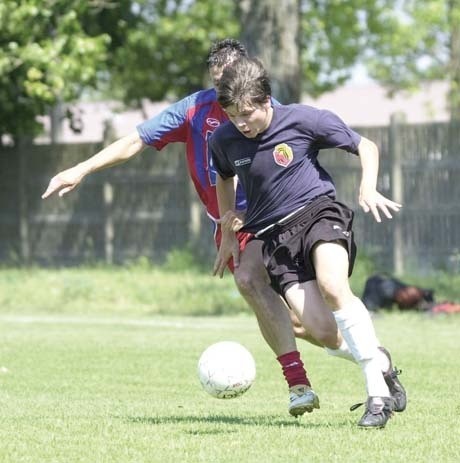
x,y
191,121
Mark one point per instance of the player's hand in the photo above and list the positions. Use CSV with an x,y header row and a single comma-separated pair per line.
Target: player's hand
x,y
371,200
231,221
229,247
64,182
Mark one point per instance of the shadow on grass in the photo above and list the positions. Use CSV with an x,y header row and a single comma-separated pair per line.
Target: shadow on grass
x,y
271,421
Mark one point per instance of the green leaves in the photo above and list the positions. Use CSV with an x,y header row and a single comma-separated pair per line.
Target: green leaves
x,y
165,55
414,46
46,57
53,50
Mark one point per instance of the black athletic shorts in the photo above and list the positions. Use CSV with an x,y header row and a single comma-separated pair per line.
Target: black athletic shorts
x,y
287,246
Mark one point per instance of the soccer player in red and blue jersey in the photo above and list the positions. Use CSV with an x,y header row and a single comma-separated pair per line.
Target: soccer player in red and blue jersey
x,y
191,121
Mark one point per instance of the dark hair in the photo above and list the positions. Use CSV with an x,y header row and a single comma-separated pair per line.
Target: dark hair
x,y
224,52
244,81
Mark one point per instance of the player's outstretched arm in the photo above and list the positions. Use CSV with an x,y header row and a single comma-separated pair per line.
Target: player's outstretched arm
x,y
116,153
369,198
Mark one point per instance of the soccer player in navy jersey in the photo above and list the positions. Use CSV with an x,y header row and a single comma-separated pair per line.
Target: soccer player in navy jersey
x,y
308,246
191,121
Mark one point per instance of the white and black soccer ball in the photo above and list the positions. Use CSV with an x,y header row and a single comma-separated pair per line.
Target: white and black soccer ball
x,y
226,370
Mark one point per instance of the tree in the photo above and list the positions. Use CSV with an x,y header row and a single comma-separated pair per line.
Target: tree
x,y
421,42
165,55
46,56
310,46
271,32
53,50
335,34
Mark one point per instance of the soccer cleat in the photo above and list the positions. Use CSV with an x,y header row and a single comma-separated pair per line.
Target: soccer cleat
x,y
302,399
378,411
397,391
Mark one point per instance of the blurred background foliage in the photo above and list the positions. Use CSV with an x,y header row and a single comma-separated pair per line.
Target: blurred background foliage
x,y
55,51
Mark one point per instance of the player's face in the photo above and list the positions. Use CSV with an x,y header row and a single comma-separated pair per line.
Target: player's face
x,y
251,119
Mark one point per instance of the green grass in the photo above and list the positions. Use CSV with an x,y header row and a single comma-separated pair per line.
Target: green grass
x,y
143,290
81,388
137,291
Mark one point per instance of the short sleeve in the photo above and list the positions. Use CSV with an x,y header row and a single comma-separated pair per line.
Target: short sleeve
x,y
167,127
332,132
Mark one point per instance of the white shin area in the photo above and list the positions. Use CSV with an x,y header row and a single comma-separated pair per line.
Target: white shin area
x,y
357,329
343,352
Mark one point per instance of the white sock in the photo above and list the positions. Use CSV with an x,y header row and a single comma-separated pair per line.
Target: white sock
x,y
384,361
343,352
358,331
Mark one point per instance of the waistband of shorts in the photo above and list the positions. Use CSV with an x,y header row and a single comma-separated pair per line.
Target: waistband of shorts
x,y
293,216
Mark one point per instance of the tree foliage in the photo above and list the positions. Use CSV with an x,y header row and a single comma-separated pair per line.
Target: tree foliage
x,y
53,50
45,56
334,37
420,42
166,54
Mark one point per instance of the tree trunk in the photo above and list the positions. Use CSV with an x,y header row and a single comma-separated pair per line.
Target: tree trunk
x,y
271,32
454,65
56,122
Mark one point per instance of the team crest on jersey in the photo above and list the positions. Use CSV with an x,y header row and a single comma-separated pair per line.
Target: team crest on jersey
x,y
282,154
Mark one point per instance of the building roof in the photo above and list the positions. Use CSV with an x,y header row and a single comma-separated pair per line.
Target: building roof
x,y
358,105
370,105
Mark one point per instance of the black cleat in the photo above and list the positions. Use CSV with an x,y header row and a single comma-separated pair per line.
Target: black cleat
x,y
378,411
397,391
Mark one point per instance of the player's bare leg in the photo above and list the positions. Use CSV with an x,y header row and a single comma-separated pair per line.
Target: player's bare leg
x,y
253,282
275,325
318,326
315,315
331,265
300,332
271,312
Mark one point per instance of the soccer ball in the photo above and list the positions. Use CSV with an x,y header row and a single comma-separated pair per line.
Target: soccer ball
x,y
226,370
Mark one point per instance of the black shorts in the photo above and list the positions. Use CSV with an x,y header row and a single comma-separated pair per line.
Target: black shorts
x,y
287,247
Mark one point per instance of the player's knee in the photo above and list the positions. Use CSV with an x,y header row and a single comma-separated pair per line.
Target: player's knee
x,y
249,281
328,337
244,281
301,333
333,291
321,338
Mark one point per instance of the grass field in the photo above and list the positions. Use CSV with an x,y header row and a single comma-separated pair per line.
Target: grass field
x,y
108,388
144,290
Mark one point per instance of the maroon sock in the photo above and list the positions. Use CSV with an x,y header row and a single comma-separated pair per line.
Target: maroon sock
x,y
293,369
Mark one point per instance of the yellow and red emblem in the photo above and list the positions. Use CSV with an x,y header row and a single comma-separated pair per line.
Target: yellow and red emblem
x,y
282,154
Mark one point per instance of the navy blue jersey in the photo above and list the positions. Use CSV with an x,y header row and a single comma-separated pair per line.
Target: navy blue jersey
x,y
279,169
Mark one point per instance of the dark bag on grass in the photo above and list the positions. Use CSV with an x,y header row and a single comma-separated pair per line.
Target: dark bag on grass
x,y
382,291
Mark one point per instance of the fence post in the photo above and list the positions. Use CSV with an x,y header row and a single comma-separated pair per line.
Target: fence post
x,y
24,241
397,190
107,196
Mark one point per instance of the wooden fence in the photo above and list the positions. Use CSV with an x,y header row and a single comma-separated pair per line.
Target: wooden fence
x,y
142,208
147,206
419,167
